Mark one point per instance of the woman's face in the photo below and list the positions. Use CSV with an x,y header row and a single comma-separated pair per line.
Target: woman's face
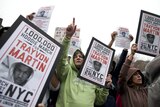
x,y
137,78
78,60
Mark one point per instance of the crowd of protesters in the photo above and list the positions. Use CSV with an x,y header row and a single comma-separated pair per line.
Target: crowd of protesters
x,y
127,86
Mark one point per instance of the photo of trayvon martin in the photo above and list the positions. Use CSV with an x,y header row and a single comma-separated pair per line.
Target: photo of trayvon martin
x,y
16,72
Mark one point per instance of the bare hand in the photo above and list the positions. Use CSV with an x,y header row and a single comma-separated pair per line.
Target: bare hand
x,y
133,48
113,35
131,37
70,30
30,16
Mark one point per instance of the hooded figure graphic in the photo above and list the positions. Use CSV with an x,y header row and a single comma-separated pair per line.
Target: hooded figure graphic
x,y
97,65
20,73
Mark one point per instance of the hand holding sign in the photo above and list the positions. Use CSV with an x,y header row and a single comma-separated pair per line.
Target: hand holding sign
x,y
131,37
30,16
113,35
133,49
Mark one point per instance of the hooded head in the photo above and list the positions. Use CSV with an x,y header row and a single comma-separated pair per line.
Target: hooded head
x,y
135,77
97,65
20,73
77,59
152,70
150,38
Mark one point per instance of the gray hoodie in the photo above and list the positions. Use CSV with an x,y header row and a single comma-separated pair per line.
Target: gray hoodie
x,y
153,76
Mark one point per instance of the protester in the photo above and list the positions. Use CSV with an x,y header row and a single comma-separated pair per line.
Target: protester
x,y
53,91
75,92
114,71
131,84
50,98
152,71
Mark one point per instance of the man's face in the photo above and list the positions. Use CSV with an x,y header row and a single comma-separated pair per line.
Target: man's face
x,y
21,74
150,38
123,34
42,13
78,60
97,65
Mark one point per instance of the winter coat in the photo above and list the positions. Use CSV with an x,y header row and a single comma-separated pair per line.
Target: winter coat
x,y
131,96
75,92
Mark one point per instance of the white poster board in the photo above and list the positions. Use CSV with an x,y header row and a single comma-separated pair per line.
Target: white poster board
x,y
27,57
97,63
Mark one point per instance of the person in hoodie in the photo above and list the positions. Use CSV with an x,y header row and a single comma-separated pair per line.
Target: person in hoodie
x,y
75,92
113,99
152,74
132,90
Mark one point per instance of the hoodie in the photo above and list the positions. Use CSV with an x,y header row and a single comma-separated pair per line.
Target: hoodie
x,y
152,71
75,92
22,80
131,96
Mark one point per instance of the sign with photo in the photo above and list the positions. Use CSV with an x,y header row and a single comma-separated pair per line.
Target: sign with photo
x,y
75,40
42,17
122,39
74,45
148,33
28,57
97,63
61,31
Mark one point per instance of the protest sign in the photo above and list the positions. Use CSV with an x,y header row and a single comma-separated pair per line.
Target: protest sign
x,y
28,57
75,40
97,62
60,33
122,39
148,34
42,17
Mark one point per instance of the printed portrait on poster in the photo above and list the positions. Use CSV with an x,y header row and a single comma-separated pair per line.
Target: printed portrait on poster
x,y
148,34
16,72
27,57
97,63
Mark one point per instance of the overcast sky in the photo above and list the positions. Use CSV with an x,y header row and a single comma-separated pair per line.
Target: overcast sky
x,y
95,18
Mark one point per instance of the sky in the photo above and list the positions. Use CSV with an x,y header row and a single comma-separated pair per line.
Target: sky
x,y
95,18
